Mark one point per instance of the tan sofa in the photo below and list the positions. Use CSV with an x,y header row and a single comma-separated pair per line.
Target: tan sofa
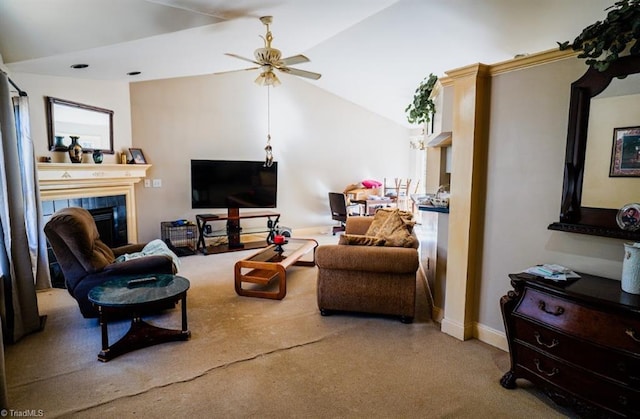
x,y
367,279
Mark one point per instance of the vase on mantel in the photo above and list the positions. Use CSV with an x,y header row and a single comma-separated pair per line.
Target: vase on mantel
x,y
97,156
75,150
631,268
59,144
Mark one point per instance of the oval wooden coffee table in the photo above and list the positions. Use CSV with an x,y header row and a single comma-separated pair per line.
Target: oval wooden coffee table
x,y
134,295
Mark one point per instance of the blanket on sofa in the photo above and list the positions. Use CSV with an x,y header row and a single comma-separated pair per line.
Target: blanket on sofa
x,y
154,248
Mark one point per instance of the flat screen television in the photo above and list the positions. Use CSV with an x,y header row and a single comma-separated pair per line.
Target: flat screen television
x,y
233,184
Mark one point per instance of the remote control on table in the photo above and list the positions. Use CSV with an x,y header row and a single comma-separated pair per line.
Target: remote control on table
x,y
141,281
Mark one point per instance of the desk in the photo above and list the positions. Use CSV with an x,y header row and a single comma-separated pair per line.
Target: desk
x,y
372,205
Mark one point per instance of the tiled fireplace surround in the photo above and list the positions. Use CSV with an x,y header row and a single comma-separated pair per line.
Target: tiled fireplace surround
x,y
92,186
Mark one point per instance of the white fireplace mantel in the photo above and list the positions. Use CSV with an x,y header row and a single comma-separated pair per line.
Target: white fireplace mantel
x,y
55,176
80,180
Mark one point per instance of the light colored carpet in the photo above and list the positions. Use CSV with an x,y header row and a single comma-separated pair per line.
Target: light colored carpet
x,y
251,357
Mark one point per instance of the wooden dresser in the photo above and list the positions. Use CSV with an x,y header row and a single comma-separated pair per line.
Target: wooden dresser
x,y
579,342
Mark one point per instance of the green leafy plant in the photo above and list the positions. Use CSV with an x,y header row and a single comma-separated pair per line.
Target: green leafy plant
x,y
422,108
602,42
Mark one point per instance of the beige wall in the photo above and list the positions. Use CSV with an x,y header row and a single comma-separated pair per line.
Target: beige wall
x,y
103,94
527,139
322,143
600,190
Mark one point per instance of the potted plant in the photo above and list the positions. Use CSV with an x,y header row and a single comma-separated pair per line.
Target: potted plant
x,y
422,108
602,42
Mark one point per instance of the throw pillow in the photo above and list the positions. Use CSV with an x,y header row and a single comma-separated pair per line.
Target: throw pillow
x,y
401,237
359,240
392,223
407,217
391,226
381,215
379,219
369,184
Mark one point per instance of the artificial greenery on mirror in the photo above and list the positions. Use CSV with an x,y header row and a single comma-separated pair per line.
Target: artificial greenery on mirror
x,y
602,42
420,110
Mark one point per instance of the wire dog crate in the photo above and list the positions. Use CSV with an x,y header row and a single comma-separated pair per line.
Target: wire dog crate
x,y
181,237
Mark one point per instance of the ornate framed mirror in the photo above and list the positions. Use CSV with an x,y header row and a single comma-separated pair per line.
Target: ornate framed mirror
x,y
93,125
585,92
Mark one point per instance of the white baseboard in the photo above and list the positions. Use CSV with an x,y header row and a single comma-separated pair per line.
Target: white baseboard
x,y
475,330
457,329
491,336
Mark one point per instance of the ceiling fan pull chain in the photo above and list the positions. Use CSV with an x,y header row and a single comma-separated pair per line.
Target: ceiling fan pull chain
x,y
268,162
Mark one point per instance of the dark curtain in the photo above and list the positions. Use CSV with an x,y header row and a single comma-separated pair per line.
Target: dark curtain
x,y
23,258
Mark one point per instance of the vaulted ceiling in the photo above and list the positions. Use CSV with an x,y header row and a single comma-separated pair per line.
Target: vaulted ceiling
x,y
371,52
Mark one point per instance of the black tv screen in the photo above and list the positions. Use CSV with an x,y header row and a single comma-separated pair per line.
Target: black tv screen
x,y
233,184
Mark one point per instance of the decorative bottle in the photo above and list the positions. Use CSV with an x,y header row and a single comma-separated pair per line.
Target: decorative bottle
x,y
59,144
631,268
97,156
75,150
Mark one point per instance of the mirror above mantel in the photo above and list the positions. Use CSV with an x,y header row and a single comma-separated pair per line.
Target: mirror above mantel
x,y
591,198
92,125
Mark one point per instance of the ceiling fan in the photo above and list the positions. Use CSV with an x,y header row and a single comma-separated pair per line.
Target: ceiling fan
x,y
268,58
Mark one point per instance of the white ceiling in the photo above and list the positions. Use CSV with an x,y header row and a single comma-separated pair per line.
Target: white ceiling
x,y
371,52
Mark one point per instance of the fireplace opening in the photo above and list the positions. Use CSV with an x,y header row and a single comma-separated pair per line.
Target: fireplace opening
x,y
104,218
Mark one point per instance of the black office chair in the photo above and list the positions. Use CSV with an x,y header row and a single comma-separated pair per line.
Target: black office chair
x,y
338,205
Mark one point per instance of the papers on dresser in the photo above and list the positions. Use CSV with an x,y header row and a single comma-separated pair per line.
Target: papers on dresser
x,y
553,272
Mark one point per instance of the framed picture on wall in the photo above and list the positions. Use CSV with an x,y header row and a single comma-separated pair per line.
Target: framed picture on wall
x,y
625,156
136,156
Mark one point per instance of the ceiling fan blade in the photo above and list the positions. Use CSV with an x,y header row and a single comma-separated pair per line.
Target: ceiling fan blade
x,y
242,58
296,59
301,73
236,71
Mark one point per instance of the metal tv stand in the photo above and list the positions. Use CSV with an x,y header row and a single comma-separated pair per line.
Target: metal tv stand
x,y
234,232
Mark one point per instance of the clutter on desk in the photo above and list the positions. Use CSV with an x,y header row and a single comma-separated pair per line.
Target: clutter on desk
x,y
553,272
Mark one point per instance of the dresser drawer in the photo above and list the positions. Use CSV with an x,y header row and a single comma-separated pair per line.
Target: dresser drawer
x,y
607,329
601,360
541,368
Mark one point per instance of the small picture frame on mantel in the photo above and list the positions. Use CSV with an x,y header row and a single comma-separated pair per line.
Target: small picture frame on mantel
x,y
625,156
136,156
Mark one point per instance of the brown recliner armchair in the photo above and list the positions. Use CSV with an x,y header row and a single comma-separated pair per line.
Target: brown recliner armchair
x,y
86,261
367,279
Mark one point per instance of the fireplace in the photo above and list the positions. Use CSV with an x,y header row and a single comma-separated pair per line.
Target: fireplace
x,y
109,213
93,186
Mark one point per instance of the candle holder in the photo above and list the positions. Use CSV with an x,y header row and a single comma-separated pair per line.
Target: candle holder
x,y
279,240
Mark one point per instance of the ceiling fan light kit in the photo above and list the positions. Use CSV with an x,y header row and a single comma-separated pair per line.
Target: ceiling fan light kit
x,y
268,78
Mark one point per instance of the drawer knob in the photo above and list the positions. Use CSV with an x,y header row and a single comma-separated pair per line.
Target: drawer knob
x,y
633,334
553,372
553,343
543,306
